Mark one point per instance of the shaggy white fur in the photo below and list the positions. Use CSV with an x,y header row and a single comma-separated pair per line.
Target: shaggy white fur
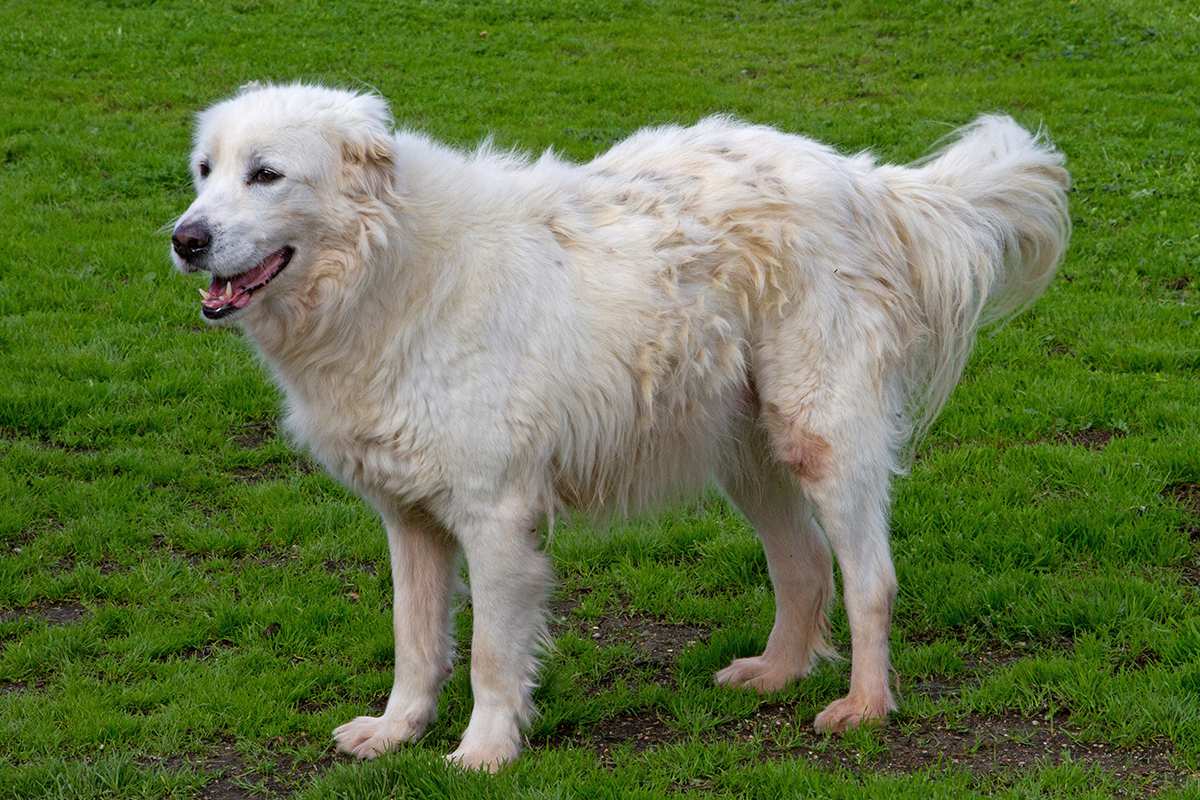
x,y
472,341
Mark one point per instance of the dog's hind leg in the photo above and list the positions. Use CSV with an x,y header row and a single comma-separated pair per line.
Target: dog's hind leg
x,y
799,563
423,579
852,506
835,432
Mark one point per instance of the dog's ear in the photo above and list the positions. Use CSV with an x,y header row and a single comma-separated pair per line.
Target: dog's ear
x,y
368,147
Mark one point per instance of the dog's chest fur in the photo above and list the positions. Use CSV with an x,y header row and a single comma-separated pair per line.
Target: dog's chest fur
x,y
374,445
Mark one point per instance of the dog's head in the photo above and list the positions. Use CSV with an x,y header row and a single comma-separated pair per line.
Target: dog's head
x,y
283,176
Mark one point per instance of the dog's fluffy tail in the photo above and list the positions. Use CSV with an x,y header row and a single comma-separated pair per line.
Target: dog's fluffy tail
x,y
983,225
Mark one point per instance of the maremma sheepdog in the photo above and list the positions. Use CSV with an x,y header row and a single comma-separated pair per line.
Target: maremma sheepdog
x,y
473,341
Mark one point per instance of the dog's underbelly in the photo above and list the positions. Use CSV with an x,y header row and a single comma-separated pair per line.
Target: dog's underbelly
x,y
676,457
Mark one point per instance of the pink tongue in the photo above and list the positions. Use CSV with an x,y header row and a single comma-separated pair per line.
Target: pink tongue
x,y
241,285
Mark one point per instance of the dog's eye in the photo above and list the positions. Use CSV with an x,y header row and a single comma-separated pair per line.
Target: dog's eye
x,y
264,175
204,169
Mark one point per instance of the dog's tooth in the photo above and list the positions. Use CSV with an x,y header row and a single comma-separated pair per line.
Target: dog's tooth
x,y
228,289
203,294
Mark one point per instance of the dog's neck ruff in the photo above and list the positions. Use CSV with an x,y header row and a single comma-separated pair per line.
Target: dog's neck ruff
x,y
337,315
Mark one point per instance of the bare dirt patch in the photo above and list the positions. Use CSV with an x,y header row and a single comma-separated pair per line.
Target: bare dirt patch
x,y
657,643
1091,438
1191,573
1057,348
250,435
986,744
67,564
268,556
1002,744
18,541
339,566
561,610
305,465
42,439
272,470
234,779
53,613
162,543
1187,494
995,744
36,684
1005,743
977,666
207,650
639,730
252,475
293,772
265,556
315,705
202,651
254,434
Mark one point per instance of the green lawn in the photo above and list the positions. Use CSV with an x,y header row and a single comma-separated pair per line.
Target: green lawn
x,y
187,608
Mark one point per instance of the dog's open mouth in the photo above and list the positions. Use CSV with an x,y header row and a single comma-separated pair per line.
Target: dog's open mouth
x,y
227,295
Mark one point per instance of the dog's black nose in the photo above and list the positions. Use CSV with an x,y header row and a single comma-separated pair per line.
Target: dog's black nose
x,y
191,240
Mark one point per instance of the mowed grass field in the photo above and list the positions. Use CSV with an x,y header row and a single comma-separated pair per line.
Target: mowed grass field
x,y
188,607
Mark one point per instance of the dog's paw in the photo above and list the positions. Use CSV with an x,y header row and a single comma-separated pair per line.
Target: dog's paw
x,y
852,711
368,737
487,757
757,673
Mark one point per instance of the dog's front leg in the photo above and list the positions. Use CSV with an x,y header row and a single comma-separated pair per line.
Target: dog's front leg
x,y
423,579
510,578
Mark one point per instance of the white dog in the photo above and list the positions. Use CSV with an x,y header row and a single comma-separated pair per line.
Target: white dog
x,y
472,341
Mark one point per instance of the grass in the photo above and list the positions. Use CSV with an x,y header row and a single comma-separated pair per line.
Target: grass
x,y
187,608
